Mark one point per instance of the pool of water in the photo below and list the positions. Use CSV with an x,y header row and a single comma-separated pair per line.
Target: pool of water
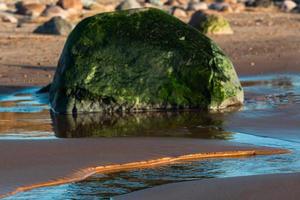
x,y
270,117
24,114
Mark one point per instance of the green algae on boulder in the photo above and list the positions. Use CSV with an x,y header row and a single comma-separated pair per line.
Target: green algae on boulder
x,y
210,23
141,59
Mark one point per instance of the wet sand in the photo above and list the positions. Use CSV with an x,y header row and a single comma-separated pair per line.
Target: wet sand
x,y
29,162
266,187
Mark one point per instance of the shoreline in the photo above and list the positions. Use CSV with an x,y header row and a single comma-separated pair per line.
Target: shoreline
x,y
43,161
258,187
83,174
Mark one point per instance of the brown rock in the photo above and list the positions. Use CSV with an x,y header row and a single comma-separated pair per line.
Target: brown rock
x,y
102,7
164,1
183,2
179,13
53,11
150,5
238,7
70,4
172,3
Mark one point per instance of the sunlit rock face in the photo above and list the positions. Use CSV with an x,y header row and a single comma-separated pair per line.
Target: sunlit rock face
x,y
141,59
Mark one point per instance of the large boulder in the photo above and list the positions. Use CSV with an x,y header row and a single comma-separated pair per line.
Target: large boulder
x,y
141,59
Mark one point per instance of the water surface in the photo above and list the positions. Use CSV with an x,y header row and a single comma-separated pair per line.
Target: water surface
x,y
270,117
25,115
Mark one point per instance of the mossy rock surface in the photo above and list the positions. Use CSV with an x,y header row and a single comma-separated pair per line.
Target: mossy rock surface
x,y
210,23
141,59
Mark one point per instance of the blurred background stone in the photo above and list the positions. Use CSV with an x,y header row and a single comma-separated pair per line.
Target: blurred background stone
x,y
288,5
3,6
128,4
197,6
30,9
55,26
70,4
53,11
7,17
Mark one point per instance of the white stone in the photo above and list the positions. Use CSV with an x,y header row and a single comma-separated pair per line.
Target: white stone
x,y
198,6
3,7
288,5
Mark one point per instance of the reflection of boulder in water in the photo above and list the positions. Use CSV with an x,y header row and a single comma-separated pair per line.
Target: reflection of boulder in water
x,y
167,124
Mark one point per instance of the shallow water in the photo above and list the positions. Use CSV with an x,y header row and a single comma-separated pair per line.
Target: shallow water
x,y
25,115
270,117
272,108
104,186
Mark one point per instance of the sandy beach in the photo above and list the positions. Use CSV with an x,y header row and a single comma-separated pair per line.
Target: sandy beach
x,y
26,163
28,59
251,50
267,187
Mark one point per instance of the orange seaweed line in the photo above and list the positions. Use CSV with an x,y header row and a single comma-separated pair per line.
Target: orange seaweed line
x,y
87,172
